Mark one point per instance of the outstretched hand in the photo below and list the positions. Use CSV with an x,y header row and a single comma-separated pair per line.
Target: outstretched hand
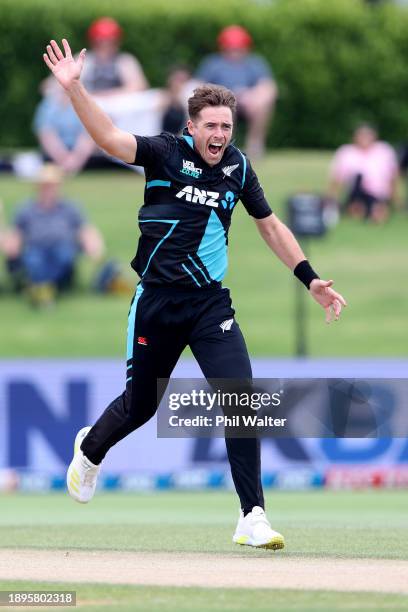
x,y
65,69
324,295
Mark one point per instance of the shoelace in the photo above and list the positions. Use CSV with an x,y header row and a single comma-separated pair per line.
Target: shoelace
x,y
91,474
260,518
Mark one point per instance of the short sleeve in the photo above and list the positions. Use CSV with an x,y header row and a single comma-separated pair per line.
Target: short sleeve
x,y
260,69
42,116
21,219
205,71
338,165
153,149
252,195
393,160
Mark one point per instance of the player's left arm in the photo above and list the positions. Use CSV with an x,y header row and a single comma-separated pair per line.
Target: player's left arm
x,y
283,243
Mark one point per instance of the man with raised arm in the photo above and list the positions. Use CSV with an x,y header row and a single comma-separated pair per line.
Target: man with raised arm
x,y
192,186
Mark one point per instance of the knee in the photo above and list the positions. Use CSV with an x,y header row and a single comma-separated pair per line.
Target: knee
x,y
380,212
356,209
257,106
139,408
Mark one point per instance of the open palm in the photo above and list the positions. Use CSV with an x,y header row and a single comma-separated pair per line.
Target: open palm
x,y
65,69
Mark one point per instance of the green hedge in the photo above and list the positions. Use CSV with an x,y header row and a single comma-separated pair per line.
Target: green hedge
x,y
336,61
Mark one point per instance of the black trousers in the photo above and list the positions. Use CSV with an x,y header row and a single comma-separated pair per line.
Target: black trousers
x,y
162,322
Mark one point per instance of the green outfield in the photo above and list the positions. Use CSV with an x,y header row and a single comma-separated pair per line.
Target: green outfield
x,y
203,522
109,598
318,526
368,264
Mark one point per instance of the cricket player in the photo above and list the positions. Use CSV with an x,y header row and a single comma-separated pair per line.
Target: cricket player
x,y
193,184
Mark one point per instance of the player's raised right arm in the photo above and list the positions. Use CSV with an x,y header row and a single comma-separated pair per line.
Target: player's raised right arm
x,y
67,71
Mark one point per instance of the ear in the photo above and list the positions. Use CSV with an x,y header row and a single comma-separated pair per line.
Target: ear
x,y
190,127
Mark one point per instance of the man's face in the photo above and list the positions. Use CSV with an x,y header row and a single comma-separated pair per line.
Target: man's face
x,y
48,194
235,54
105,48
212,132
364,137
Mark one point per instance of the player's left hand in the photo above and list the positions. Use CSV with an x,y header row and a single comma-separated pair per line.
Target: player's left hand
x,y
324,295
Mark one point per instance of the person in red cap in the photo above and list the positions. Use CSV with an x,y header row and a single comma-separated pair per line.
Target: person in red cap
x,y
249,77
108,70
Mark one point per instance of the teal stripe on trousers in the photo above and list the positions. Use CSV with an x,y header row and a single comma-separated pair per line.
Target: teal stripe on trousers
x,y
131,323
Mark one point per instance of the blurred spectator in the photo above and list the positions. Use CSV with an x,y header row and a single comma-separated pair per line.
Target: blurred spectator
x,y
108,71
48,235
249,77
119,84
175,105
367,170
117,81
62,137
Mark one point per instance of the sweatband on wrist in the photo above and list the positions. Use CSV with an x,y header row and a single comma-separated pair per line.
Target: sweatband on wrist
x,y
305,273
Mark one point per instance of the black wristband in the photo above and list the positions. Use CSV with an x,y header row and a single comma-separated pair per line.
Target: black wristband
x,y
305,273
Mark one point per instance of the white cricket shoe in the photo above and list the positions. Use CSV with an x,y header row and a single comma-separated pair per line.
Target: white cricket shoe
x,y
254,530
82,474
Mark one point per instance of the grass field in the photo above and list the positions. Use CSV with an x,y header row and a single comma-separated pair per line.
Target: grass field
x,y
318,526
368,264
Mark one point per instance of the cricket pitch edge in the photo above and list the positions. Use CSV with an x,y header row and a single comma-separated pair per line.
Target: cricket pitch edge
x,y
272,570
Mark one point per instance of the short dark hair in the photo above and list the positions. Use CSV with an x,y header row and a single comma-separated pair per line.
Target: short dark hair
x,y
365,125
210,95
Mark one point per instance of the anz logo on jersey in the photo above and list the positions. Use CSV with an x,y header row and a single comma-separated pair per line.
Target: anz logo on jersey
x,y
209,198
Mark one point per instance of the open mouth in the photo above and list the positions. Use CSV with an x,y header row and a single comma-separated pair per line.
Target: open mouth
x,y
214,148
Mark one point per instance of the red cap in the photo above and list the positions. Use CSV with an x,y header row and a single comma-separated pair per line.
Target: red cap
x,y
234,37
105,28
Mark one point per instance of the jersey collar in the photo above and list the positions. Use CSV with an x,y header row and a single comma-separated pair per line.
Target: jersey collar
x,y
188,138
190,141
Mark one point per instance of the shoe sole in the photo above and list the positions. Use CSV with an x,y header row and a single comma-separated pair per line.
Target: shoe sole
x,y
276,543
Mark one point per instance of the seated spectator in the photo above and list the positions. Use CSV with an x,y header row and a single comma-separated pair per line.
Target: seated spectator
x,y
108,71
61,135
112,76
367,170
249,77
118,84
175,100
117,81
48,235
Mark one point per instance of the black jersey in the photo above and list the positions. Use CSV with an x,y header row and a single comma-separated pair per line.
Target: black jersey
x,y
187,210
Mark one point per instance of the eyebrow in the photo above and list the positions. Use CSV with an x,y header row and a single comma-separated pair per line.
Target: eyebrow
x,y
223,124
